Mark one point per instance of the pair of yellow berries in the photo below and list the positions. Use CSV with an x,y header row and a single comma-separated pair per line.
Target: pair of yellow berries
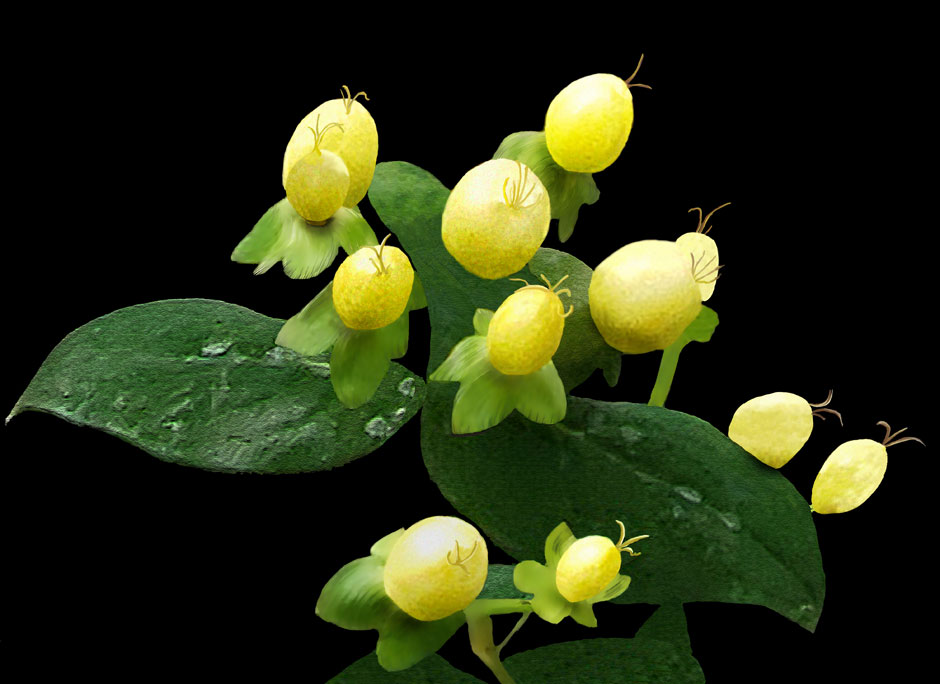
x,y
439,565
330,159
774,427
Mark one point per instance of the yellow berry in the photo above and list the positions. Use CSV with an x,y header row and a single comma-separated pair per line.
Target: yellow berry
x,y
526,330
316,185
586,567
703,253
356,142
495,218
853,472
643,296
849,476
772,427
372,286
437,567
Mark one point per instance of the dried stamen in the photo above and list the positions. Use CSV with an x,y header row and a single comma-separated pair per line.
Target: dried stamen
x,y
703,220
622,545
890,440
318,133
460,561
517,195
380,266
629,82
348,101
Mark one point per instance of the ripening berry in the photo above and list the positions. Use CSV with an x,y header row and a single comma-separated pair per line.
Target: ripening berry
x,y
590,564
643,296
495,219
589,121
526,329
437,567
372,286
774,427
703,253
355,141
853,472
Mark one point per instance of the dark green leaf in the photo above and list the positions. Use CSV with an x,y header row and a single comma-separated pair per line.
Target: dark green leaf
x,y
659,654
431,670
722,526
499,584
567,191
201,383
410,202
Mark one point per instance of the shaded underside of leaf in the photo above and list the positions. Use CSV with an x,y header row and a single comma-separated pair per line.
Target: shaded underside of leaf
x,y
722,526
201,383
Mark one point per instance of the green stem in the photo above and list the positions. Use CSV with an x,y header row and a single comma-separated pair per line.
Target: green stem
x,y
667,371
480,626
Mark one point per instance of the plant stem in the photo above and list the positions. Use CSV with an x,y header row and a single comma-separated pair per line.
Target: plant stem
x,y
667,371
480,626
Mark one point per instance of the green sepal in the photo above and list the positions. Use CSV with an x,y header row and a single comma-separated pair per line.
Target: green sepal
x,y
557,542
486,396
699,330
417,299
405,641
481,321
383,546
360,358
305,251
567,191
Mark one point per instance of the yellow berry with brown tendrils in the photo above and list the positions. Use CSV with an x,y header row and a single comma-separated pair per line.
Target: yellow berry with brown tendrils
x,y
317,183
356,143
774,427
703,253
437,567
643,296
590,564
526,329
495,219
853,472
589,121
372,286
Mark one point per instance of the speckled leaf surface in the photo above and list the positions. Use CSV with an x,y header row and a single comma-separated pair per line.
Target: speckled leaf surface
x,y
201,383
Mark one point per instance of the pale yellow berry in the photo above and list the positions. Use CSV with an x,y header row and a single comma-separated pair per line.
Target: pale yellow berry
x,y
495,218
703,253
853,472
643,296
526,330
774,427
437,567
316,185
372,286
356,143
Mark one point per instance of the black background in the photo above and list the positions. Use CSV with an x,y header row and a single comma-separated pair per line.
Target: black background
x,y
148,157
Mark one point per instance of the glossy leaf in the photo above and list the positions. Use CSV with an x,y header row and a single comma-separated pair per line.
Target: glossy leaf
x,y
567,191
431,670
201,383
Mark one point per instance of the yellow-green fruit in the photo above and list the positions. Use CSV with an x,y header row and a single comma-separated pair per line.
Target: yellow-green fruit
x,y
849,476
370,293
772,427
643,296
357,144
587,567
703,257
317,184
495,218
437,567
588,123
525,331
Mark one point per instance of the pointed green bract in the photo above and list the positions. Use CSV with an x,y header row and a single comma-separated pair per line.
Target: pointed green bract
x,y
404,641
202,383
567,191
305,250
316,328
